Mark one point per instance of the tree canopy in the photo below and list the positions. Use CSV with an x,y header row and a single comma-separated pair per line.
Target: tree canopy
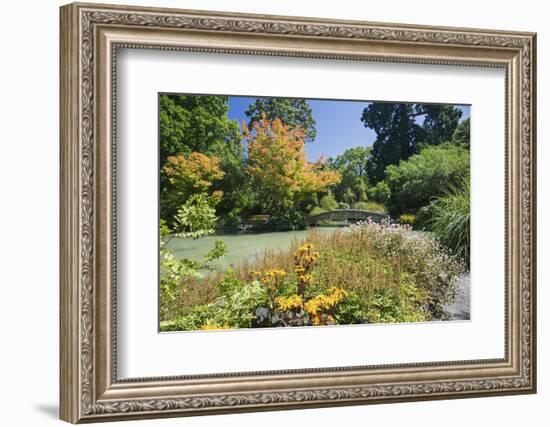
x,y
190,123
413,183
199,124
280,174
403,129
292,112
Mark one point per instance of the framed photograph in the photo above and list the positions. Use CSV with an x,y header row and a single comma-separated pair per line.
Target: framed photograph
x,y
267,212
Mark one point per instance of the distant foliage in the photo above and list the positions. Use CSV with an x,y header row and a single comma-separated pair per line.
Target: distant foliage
x,y
371,207
328,202
380,192
352,166
461,136
431,173
193,173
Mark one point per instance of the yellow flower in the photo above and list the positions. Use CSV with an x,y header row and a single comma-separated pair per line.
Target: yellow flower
x,y
305,247
338,294
299,269
289,303
305,279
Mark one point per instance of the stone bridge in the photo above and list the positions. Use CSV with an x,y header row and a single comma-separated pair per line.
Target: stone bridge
x,y
345,215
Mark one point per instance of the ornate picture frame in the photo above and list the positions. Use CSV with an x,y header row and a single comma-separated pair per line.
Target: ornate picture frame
x,y
90,37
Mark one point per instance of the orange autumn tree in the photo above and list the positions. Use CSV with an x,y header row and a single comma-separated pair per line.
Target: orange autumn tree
x,y
191,175
280,173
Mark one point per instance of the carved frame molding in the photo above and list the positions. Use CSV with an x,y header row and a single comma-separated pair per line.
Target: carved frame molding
x,y
90,37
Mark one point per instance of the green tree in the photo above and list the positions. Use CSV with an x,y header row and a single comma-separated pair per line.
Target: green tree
x,y
191,123
440,123
352,166
197,123
291,111
403,129
427,175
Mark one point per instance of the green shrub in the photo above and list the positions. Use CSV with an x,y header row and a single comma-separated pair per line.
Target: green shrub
x,y
317,210
371,206
450,220
380,192
350,310
431,173
234,308
328,202
397,304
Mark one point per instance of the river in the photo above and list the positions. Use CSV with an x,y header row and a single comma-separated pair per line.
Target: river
x,y
239,245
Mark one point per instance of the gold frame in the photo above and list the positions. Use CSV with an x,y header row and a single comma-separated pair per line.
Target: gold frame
x,y
90,36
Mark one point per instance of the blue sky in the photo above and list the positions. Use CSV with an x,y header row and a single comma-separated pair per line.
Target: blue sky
x,y
338,124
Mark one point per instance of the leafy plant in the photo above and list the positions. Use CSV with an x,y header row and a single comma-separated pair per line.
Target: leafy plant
x,y
196,217
350,310
450,220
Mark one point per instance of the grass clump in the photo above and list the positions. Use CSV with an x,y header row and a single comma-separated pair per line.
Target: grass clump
x,y
450,220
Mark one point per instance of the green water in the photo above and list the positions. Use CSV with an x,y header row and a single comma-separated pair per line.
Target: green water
x,y
239,246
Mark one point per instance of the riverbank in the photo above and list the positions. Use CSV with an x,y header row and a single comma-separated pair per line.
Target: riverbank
x,y
381,273
240,246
